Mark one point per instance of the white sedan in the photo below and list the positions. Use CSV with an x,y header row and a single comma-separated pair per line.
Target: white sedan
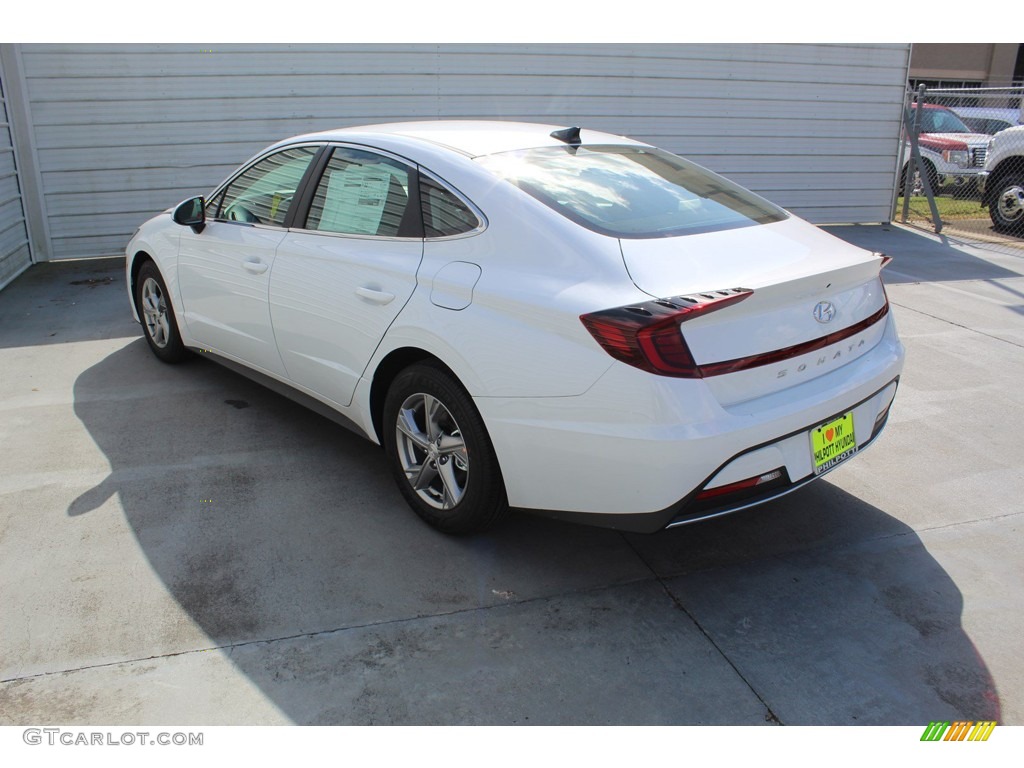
x,y
532,318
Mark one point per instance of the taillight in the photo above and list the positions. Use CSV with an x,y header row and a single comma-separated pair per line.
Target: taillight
x,y
741,485
648,336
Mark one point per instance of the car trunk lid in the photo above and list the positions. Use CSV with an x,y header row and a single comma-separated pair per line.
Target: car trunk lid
x,y
815,305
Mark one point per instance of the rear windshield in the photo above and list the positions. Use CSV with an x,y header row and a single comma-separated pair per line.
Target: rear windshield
x,y
631,192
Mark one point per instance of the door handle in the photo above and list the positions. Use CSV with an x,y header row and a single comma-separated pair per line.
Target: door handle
x,y
375,296
256,267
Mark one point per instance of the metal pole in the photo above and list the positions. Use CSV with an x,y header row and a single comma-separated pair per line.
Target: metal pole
x,y
915,151
907,175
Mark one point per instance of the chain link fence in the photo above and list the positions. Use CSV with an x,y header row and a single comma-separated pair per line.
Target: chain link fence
x,y
963,165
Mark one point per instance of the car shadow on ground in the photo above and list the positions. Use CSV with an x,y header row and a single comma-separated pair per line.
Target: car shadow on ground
x,y
919,258
266,522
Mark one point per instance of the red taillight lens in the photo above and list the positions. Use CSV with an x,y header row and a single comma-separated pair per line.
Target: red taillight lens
x,y
741,485
648,336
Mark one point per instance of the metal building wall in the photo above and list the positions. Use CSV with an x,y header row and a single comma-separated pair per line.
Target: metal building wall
x,y
121,132
15,256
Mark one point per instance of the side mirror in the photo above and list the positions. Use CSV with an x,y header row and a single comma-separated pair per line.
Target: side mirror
x,y
191,213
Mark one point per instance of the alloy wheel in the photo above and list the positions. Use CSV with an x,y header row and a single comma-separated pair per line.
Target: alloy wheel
x,y
154,311
432,451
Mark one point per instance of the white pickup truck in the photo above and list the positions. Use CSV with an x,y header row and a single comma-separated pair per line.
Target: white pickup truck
x,y
1001,182
952,152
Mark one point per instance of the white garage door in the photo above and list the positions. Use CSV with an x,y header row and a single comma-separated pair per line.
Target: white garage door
x,y
14,249
125,131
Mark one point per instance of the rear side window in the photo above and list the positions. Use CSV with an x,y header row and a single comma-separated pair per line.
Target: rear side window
x,y
444,214
632,192
362,193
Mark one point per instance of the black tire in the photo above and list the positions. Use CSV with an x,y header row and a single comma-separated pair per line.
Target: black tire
x,y
933,177
1007,204
159,324
444,466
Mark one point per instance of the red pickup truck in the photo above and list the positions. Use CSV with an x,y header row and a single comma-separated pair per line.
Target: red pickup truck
x,y
952,152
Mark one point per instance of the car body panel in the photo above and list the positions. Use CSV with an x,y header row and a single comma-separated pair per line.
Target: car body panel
x,y
332,298
674,436
467,137
1005,145
223,279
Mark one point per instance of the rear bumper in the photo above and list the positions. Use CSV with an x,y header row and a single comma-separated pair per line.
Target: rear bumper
x,y
874,410
634,452
691,508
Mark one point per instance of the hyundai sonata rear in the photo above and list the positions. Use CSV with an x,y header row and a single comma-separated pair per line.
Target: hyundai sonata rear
x,y
755,354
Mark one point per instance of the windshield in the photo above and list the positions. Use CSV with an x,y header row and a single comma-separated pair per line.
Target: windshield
x,y
941,121
633,192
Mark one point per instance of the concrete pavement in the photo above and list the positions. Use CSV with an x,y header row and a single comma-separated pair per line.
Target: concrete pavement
x,y
180,546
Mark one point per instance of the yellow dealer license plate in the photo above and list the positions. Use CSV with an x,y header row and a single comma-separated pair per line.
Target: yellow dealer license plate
x,y
833,442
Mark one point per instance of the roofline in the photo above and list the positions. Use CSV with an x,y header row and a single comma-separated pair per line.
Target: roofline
x,y
534,135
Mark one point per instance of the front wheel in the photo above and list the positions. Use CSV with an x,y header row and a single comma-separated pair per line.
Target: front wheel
x,y
158,320
1007,207
440,453
916,184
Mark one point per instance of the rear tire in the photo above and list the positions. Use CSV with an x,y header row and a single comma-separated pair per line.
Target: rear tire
x,y
159,324
440,454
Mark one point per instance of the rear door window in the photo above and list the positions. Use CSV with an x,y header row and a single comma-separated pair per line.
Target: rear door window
x,y
363,193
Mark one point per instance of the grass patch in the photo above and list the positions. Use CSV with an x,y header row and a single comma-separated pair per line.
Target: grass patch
x,y
950,208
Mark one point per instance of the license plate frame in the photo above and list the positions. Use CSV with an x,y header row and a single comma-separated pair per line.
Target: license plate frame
x,y
832,442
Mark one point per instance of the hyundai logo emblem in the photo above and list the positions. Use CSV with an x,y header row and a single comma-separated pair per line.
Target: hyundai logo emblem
x,y
824,311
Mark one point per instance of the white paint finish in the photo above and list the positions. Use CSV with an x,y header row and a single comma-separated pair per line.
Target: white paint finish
x,y
476,138
452,286
672,434
1009,144
790,266
742,389
225,305
327,320
755,256
813,127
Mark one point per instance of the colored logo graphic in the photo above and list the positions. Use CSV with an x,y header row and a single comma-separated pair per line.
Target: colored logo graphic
x,y
959,731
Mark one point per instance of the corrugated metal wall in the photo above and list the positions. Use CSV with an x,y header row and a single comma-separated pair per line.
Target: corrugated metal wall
x,y
14,248
124,131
